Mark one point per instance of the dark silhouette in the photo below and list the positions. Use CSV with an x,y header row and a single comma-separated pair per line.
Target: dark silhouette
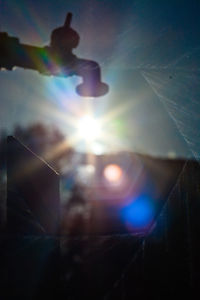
x,y
121,265
33,203
48,142
56,59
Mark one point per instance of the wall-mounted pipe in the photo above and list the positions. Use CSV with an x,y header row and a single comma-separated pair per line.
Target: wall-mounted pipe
x,y
56,59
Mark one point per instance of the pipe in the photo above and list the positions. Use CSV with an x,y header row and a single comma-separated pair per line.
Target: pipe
x,y
56,59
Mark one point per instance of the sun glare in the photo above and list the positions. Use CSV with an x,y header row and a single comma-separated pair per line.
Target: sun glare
x,y
89,128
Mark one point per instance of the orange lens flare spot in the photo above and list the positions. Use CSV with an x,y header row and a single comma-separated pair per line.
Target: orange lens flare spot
x,y
113,173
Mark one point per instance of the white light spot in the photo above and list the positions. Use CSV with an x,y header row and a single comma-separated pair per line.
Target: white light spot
x,y
113,173
89,128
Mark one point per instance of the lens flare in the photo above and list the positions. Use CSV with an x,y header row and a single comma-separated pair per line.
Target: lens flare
x,y
113,173
139,213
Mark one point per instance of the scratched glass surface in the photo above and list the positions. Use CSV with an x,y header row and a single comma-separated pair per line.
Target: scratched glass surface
x,y
147,242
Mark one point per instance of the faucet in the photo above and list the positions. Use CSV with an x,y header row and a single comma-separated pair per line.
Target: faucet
x,y
55,59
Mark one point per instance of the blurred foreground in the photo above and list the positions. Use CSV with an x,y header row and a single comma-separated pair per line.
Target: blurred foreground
x,y
137,237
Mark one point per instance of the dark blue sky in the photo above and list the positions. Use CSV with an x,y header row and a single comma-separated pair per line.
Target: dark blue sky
x,y
150,56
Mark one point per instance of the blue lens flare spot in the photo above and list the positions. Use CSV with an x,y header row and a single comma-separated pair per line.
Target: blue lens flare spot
x,y
139,213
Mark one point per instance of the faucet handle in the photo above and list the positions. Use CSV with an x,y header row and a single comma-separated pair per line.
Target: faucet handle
x,y
64,38
68,20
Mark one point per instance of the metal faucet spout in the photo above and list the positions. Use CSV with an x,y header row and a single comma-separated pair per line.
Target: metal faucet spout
x,y
92,85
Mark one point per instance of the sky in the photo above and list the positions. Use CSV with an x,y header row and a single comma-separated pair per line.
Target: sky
x,y
149,52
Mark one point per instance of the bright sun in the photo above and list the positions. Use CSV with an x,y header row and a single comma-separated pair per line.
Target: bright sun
x,y
93,133
89,128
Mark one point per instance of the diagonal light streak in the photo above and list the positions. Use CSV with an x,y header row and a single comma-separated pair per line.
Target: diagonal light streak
x,y
164,100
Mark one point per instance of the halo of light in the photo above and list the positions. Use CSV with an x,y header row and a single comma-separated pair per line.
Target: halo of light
x,y
113,173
